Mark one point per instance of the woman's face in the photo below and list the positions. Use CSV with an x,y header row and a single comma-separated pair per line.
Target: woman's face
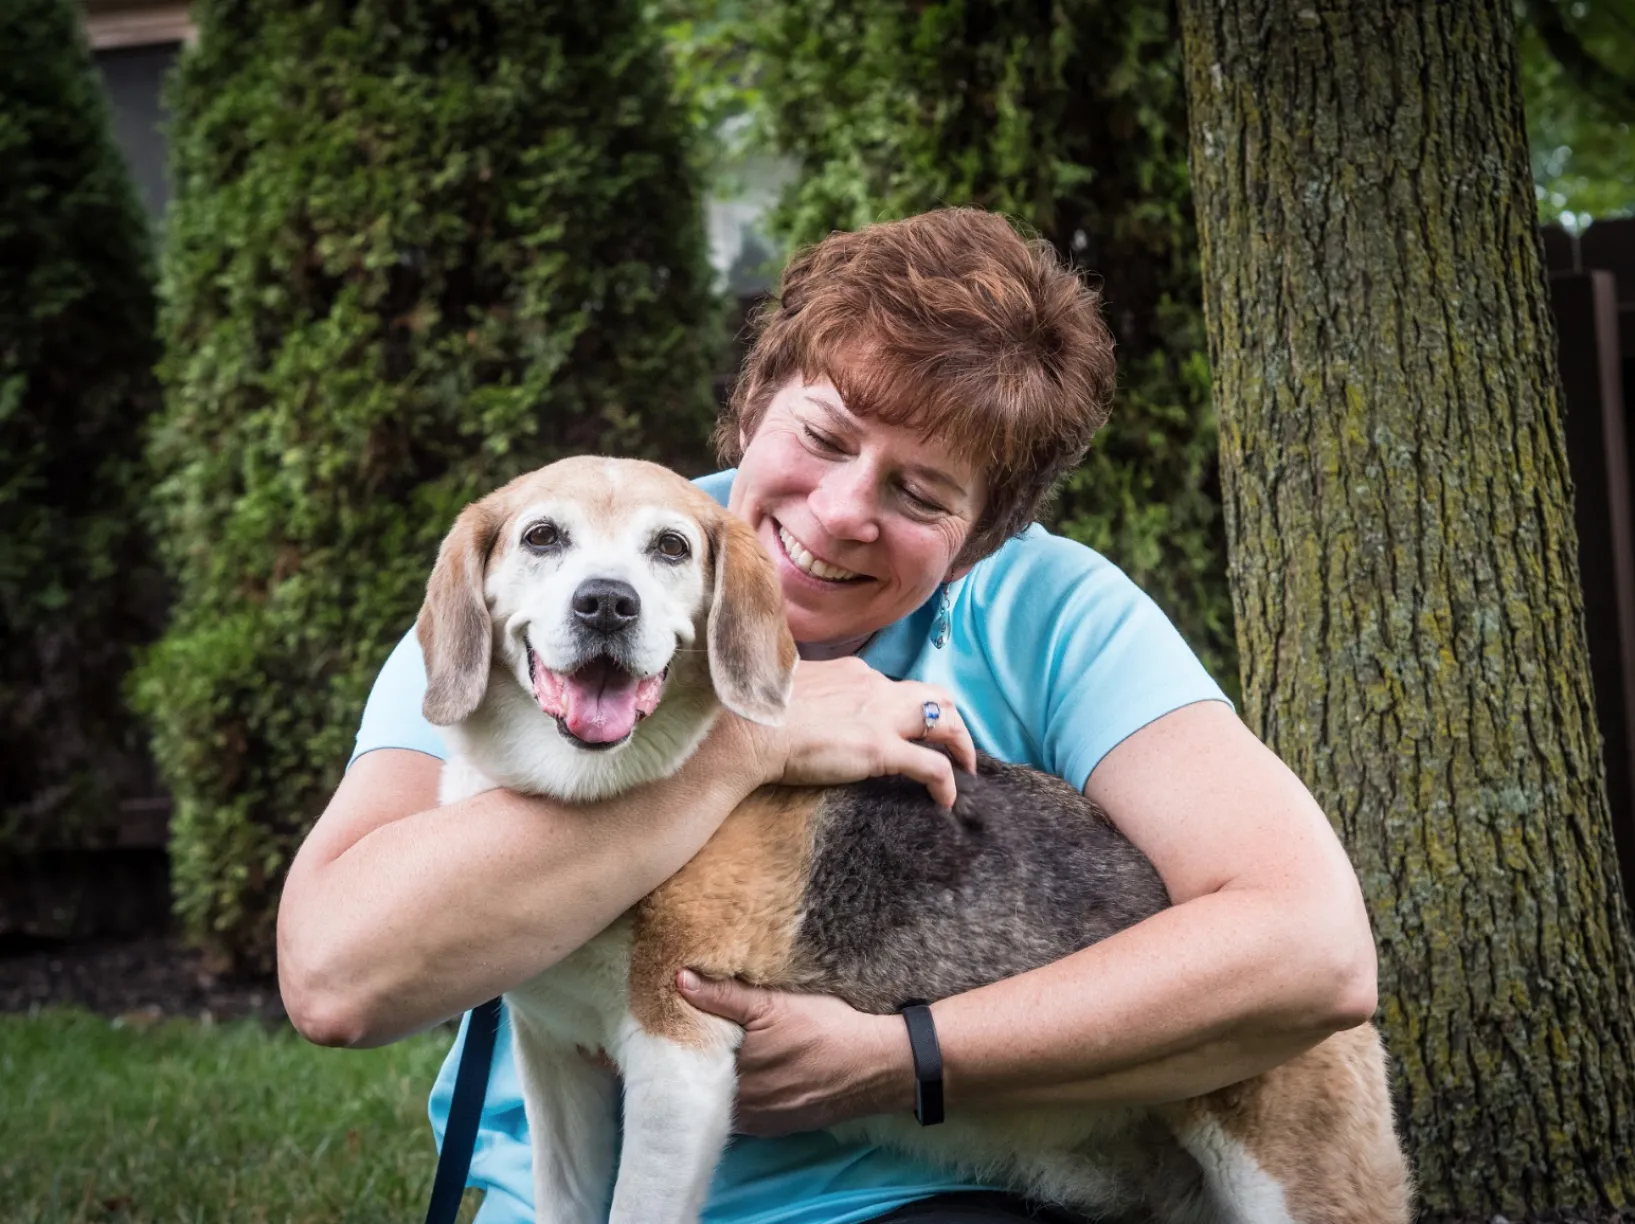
x,y
862,519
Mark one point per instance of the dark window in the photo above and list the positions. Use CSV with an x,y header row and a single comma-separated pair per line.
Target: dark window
x,y
134,77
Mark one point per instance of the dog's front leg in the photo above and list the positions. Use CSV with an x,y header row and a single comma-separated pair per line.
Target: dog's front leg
x,y
571,1108
678,1093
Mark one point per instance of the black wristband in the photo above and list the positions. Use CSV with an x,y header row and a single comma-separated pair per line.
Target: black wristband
x,y
922,1040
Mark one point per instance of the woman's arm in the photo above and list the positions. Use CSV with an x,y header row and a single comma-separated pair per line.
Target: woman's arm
x,y
398,913
1266,951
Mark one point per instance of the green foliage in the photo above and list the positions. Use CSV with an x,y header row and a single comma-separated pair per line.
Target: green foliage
x,y
115,1123
1070,117
77,346
1580,100
415,249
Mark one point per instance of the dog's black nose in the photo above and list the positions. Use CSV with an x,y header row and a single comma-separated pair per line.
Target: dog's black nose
x,y
605,605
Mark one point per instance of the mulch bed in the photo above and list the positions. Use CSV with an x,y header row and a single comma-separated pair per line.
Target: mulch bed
x,y
140,980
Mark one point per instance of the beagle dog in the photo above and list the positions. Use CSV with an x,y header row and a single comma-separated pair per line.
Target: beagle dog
x,y
583,627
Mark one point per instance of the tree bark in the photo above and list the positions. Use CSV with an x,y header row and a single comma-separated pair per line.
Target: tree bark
x,y
1403,564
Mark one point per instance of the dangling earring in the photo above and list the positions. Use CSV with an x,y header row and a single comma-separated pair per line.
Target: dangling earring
x,y
939,627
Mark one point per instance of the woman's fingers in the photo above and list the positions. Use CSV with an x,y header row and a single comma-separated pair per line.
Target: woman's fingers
x,y
939,722
934,720
848,722
926,766
953,735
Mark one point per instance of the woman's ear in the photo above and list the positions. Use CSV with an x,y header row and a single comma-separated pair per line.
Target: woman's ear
x,y
752,652
456,635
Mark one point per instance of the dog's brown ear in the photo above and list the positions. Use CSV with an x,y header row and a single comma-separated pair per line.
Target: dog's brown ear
x,y
455,633
752,653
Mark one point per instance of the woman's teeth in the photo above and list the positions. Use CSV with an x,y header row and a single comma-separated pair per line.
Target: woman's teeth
x,y
809,564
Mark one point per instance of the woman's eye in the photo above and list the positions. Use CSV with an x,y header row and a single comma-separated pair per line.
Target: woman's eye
x,y
672,546
921,504
821,441
542,535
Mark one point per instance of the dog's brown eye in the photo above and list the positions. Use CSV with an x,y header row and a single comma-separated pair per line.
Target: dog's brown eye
x,y
542,535
671,545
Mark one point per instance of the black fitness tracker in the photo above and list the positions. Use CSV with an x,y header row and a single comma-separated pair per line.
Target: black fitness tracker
x,y
922,1040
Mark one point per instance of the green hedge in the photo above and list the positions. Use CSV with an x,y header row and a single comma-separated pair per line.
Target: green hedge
x,y
77,347
1069,117
416,247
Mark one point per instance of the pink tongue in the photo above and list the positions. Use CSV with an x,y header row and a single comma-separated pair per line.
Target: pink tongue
x,y
600,702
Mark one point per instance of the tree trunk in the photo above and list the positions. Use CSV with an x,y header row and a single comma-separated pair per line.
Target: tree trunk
x,y
1403,564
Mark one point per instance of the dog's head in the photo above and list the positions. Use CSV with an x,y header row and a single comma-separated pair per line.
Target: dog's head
x,y
589,583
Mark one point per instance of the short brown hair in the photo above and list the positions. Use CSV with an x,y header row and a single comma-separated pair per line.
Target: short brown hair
x,y
952,322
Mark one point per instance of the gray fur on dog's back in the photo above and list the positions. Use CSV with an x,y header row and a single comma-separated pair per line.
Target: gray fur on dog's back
x,y
907,900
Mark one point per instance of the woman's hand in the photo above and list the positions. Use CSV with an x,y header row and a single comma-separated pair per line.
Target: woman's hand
x,y
847,722
808,1061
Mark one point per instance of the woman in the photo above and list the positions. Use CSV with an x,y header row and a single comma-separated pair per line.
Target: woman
x,y
906,408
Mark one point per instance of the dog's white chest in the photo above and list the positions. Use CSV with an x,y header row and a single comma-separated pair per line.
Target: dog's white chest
x,y
583,998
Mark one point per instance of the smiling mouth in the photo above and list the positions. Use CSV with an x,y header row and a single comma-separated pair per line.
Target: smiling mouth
x,y
806,563
599,703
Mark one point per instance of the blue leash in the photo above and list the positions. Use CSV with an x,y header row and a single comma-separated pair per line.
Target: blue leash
x,y
464,1112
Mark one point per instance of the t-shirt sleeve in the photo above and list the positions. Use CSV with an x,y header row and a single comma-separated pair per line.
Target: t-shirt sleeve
x,y
1087,658
391,716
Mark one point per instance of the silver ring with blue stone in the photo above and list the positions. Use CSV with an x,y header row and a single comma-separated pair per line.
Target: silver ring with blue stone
x,y
931,711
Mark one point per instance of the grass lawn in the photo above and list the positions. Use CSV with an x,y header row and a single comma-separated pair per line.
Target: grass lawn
x,y
186,1122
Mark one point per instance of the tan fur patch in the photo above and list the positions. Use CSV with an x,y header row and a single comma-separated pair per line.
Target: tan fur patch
x,y
453,626
1320,1125
752,653
730,912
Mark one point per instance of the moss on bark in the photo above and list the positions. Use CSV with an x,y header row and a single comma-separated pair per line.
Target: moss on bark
x,y
1403,564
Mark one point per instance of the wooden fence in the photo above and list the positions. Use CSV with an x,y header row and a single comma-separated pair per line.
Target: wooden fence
x,y
1592,291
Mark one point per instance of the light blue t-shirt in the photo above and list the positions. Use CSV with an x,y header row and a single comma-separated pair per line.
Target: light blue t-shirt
x,y
1055,657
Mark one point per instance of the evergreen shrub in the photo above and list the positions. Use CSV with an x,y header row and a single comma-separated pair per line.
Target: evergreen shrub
x,y
1069,117
77,349
416,248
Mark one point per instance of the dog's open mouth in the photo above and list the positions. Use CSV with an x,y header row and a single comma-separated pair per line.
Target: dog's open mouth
x,y
600,703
